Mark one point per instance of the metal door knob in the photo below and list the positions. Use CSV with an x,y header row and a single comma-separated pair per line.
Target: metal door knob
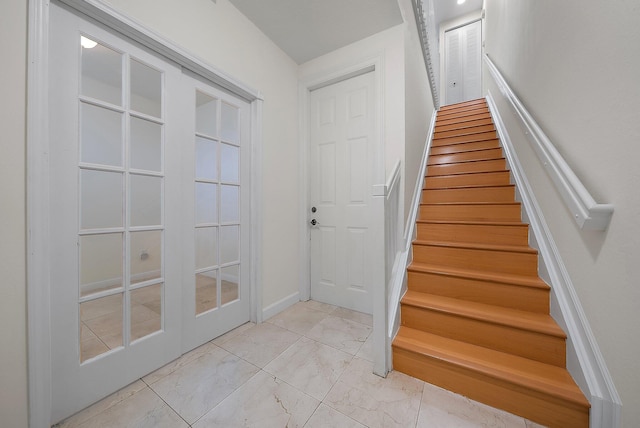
x,y
314,222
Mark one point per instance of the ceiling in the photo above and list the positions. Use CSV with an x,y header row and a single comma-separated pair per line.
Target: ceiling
x,y
307,29
446,10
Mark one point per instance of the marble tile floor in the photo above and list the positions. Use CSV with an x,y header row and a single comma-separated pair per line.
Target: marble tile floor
x,y
309,366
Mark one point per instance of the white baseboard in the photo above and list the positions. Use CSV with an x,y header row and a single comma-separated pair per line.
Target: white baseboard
x,y
280,305
584,360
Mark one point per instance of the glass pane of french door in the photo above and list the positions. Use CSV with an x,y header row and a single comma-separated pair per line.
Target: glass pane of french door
x,y
217,197
120,205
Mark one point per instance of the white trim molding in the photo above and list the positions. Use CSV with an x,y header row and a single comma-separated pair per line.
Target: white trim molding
x,y
584,359
256,210
426,30
38,287
392,246
280,306
342,71
305,87
114,20
586,211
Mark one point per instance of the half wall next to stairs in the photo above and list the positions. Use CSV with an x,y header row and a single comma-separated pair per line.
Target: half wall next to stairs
x,y
475,318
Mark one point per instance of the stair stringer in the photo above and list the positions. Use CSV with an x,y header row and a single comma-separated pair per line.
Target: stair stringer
x,y
585,362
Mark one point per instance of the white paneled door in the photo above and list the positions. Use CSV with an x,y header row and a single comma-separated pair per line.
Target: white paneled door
x,y
148,212
463,67
341,146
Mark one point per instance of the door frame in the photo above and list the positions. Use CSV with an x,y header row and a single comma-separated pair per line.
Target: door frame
x,y
453,25
373,64
305,87
38,207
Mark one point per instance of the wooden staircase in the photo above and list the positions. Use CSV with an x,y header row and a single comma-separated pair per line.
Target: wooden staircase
x,y
475,319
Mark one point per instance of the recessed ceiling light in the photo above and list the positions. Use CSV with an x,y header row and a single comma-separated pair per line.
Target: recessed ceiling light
x,y
88,43
461,1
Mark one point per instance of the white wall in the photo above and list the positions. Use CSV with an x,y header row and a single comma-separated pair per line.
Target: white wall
x,y
13,352
223,37
418,103
575,66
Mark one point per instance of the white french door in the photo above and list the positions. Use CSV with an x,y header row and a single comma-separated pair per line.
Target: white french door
x,y
463,63
148,204
215,214
341,151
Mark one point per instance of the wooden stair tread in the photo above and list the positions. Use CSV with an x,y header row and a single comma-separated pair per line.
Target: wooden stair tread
x,y
467,132
455,162
463,119
467,152
462,160
485,178
463,110
476,222
478,246
481,101
462,124
464,147
455,174
470,203
456,116
476,129
520,280
466,167
462,144
544,378
482,136
470,186
523,320
443,111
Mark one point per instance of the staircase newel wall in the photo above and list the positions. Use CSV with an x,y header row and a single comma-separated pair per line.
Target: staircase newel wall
x,y
397,284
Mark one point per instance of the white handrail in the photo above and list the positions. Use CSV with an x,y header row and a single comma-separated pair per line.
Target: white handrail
x,y
586,211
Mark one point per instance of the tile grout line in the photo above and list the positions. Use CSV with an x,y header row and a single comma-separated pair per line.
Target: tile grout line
x,y
420,404
168,405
